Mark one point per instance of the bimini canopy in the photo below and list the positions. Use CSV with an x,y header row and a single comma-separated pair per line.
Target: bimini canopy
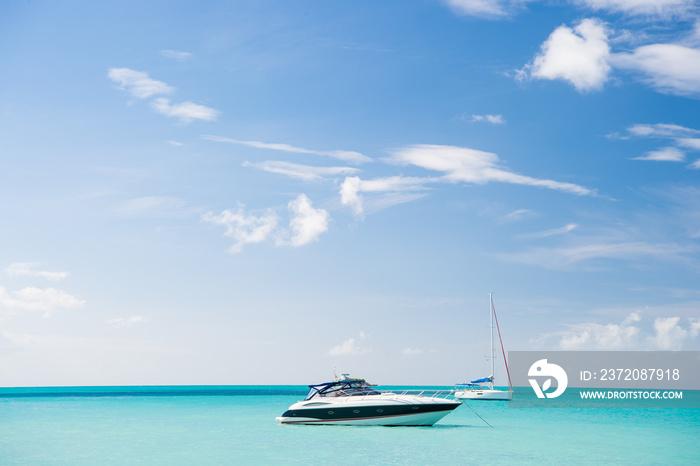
x,y
347,387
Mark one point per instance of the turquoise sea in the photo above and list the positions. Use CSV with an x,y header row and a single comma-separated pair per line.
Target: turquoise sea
x,y
236,425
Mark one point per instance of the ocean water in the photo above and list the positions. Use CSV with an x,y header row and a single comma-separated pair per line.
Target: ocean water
x,y
236,425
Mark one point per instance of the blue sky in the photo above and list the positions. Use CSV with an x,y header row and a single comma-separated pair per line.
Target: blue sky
x,y
262,191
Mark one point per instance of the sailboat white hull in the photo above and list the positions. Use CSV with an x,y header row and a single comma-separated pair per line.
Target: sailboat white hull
x,y
485,394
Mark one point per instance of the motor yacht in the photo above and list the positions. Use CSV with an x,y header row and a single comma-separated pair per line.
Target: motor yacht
x,y
350,401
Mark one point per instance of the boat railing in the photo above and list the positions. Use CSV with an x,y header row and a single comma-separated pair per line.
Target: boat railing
x,y
426,393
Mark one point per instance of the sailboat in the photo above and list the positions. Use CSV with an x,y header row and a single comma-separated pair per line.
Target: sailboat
x,y
483,389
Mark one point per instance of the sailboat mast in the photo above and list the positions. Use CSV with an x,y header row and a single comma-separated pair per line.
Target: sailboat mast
x,y
493,354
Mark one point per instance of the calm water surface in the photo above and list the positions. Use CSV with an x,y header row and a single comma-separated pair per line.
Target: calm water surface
x,y
236,425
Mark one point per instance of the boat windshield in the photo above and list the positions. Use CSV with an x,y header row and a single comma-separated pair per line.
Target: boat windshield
x,y
343,388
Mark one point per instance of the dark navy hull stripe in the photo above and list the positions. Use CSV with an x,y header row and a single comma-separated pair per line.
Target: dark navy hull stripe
x,y
365,412
318,421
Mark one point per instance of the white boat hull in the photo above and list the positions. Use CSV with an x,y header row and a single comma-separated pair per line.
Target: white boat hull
x,y
485,394
387,409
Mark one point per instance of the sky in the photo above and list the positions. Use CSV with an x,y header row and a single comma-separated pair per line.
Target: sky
x,y
268,192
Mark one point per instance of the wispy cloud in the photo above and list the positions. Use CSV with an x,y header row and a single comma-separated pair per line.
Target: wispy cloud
x,y
306,224
589,253
489,9
495,119
689,143
121,322
186,112
396,186
303,172
153,206
682,209
28,269
553,232
641,7
176,55
138,83
665,154
661,130
516,215
244,228
681,136
350,347
412,351
461,164
345,155
32,299
503,9
670,68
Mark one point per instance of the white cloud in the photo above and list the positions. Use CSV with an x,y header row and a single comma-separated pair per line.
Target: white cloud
x,y
353,186
596,336
30,299
680,135
665,154
244,228
350,347
176,55
689,143
27,269
472,166
138,83
641,7
186,111
495,119
121,322
412,351
670,335
492,9
303,172
345,155
306,223
661,130
670,68
579,56
630,334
